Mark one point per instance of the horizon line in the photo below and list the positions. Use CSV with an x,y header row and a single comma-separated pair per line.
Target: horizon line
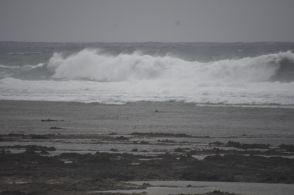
x,y
113,42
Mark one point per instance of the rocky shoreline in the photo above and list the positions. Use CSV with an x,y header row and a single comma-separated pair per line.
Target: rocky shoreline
x,y
34,169
76,149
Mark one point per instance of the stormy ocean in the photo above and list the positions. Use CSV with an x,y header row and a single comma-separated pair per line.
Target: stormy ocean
x,y
251,74
147,118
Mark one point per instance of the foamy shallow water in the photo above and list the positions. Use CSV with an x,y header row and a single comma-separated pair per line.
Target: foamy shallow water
x,y
253,94
191,187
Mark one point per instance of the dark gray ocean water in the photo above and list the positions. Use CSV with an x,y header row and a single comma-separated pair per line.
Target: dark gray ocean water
x,y
25,53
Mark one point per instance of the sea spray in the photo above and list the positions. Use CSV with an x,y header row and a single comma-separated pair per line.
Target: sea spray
x,y
92,75
93,65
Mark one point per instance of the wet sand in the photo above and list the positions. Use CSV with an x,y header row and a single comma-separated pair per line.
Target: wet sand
x,y
80,118
75,148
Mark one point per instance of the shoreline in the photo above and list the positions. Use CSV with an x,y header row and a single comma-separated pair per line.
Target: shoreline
x,y
77,148
166,117
269,106
107,172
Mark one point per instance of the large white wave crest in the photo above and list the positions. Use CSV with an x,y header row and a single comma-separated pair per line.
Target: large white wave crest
x,y
94,65
262,80
91,65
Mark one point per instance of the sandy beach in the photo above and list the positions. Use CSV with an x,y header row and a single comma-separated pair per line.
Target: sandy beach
x,y
89,148
166,117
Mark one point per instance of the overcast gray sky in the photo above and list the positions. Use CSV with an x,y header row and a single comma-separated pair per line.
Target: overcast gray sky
x,y
149,20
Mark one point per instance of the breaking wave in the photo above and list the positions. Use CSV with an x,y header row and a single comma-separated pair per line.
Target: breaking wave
x,y
22,67
93,65
93,76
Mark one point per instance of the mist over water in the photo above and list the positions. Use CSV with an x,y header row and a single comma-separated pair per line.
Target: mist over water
x,y
153,73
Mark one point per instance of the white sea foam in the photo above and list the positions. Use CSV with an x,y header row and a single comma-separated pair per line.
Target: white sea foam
x,y
23,66
90,76
92,65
